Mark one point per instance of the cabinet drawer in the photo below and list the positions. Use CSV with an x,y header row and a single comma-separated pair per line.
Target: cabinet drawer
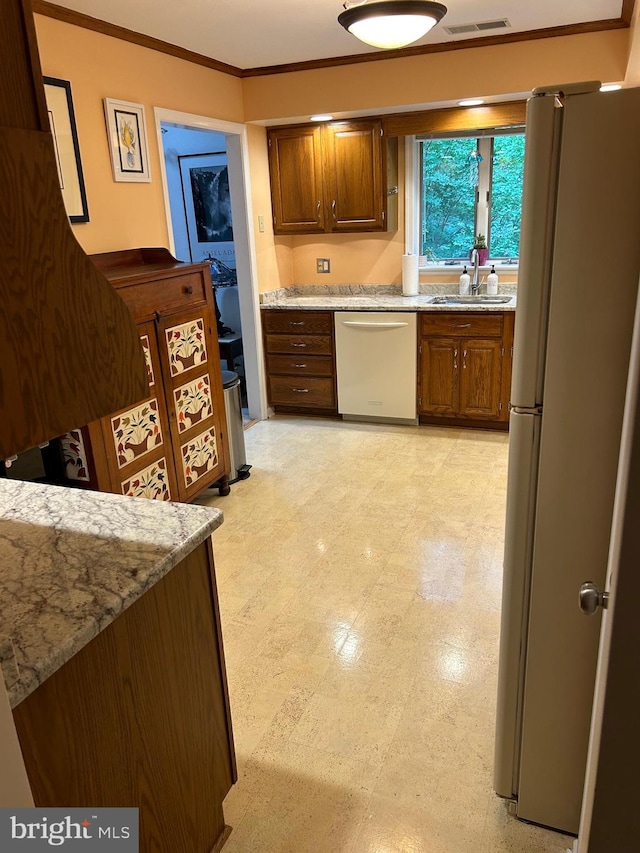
x,y
459,324
167,294
315,365
303,391
300,344
306,322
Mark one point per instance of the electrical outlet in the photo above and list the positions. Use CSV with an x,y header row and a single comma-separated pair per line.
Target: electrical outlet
x,y
323,265
261,224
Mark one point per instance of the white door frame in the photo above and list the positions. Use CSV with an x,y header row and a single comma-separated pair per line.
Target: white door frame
x,y
243,236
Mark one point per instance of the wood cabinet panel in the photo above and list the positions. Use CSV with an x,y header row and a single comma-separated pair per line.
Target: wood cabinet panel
x,y
300,368
307,322
314,365
458,324
173,294
439,376
465,377
180,423
329,178
355,176
305,391
295,158
142,717
480,379
301,344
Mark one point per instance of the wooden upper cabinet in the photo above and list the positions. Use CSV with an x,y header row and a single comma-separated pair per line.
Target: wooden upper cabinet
x,y
329,178
354,177
295,163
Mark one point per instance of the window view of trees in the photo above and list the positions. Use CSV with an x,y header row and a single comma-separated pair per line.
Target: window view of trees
x,y
451,212
506,195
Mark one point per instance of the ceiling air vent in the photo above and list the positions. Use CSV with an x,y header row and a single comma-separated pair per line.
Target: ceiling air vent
x,y
463,29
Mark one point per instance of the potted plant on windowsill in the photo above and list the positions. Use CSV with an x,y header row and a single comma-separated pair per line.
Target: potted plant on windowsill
x,y
480,246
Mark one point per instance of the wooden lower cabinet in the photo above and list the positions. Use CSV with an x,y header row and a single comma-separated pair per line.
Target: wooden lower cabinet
x,y
300,361
172,444
465,368
140,717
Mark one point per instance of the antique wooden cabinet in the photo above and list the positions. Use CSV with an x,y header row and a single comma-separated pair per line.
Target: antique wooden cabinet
x,y
329,178
465,368
172,444
300,361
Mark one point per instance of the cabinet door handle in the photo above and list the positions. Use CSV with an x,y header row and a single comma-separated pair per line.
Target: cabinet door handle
x,y
296,323
333,208
301,390
461,325
301,366
298,345
318,212
188,288
464,354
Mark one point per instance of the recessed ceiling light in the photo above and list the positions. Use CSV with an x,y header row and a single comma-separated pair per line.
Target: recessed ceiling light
x,y
472,102
610,87
321,117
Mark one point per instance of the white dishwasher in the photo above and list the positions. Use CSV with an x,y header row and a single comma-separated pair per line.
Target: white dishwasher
x,y
376,358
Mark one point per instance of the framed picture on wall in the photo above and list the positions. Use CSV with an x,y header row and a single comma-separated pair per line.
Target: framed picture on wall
x,y
127,134
67,150
207,206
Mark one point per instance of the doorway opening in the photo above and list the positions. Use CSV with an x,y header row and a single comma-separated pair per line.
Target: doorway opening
x,y
204,166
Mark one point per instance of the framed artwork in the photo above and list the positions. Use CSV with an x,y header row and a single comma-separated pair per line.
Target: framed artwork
x,y
67,151
127,133
207,207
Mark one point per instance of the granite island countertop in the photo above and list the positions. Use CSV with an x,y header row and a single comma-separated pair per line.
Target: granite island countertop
x,y
71,561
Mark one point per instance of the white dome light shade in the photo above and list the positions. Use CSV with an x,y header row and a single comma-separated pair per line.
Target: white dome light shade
x,y
391,23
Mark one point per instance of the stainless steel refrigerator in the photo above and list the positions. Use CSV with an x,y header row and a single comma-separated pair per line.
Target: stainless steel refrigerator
x,y
578,282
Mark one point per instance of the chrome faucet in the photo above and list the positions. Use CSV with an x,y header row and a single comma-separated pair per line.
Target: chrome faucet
x,y
475,286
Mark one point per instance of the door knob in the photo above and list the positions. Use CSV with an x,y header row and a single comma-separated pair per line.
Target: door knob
x,y
591,599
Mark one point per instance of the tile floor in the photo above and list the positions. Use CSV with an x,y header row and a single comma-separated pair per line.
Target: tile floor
x,y
359,573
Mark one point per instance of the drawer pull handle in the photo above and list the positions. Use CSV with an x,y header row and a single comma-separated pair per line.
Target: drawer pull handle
x,y
461,325
298,345
301,390
188,288
301,366
296,322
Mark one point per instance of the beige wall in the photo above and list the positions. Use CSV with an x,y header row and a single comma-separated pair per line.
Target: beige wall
x,y
126,215
436,77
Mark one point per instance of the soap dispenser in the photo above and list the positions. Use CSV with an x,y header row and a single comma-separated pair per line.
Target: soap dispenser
x,y
492,282
465,281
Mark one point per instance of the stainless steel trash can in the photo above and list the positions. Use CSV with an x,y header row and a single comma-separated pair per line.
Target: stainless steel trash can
x,y
235,432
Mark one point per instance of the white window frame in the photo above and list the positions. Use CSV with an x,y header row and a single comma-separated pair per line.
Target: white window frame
x,y
412,203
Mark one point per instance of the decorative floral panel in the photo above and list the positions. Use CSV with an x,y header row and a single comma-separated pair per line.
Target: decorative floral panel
x,y
74,456
193,402
144,340
152,482
199,456
136,432
186,346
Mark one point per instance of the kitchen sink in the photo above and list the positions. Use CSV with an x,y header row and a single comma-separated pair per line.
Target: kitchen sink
x,y
471,300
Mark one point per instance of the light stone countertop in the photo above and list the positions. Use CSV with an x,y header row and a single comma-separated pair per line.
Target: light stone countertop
x,y
378,303
71,561
376,297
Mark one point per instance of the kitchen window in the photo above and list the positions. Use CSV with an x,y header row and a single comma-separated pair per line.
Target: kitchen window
x,y
461,186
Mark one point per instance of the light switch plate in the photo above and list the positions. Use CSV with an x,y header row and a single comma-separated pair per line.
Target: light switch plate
x,y
323,265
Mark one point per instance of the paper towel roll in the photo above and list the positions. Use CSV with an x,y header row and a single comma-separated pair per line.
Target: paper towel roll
x,y
410,275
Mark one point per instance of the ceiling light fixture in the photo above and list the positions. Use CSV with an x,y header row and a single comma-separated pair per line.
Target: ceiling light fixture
x,y
471,102
321,117
610,87
391,23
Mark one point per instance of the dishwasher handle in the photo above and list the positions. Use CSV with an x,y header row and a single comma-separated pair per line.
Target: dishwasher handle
x,y
373,325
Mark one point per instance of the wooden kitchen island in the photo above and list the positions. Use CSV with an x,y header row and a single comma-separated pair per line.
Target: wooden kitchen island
x,y
111,650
